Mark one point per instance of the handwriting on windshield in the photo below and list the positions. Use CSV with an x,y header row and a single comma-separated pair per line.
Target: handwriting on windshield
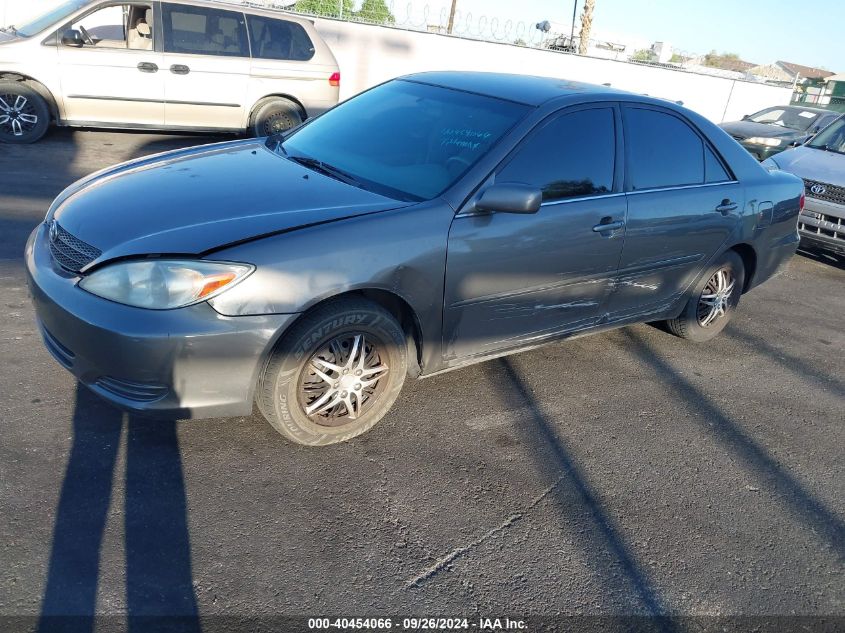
x,y
465,138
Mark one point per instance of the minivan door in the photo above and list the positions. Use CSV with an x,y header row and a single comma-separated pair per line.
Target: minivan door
x,y
206,67
515,279
113,74
683,205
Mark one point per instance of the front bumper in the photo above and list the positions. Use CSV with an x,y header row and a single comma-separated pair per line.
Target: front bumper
x,y
822,225
188,363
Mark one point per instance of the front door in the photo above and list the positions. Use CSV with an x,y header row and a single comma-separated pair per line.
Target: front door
x,y
115,76
514,279
683,205
207,67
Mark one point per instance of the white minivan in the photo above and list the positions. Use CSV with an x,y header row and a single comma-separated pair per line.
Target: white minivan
x,y
171,65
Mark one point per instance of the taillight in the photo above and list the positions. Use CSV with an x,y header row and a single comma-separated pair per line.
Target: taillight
x,y
334,80
801,202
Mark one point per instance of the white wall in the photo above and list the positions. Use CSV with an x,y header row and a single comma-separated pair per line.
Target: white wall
x,y
369,55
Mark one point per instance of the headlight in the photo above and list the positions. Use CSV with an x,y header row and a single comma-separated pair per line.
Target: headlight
x,y
159,284
768,142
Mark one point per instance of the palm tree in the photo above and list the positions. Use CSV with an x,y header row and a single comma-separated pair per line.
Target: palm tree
x,y
452,16
586,26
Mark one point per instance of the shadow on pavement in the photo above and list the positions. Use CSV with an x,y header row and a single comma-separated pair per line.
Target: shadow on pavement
x,y
616,565
159,585
805,507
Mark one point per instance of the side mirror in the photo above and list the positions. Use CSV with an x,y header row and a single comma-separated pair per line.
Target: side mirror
x,y
796,143
73,38
510,198
745,117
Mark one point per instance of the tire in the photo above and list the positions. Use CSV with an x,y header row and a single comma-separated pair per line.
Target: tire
x,y
325,340
273,116
24,114
702,319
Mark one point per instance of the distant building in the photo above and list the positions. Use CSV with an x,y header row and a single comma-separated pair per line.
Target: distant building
x,y
789,73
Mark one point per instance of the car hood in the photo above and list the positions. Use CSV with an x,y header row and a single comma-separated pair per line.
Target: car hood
x,y
813,164
6,36
200,199
748,129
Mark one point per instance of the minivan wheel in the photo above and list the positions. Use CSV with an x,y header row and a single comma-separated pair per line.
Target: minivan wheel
x,y
24,114
335,374
713,300
274,116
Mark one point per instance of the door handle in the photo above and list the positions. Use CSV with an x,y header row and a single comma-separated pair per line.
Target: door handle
x,y
147,67
179,69
726,207
607,224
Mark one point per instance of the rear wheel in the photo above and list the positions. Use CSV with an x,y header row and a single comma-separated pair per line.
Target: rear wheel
x,y
24,114
712,302
274,116
335,374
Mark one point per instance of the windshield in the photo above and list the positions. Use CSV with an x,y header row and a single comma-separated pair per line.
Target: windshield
x,y
403,139
832,138
794,119
33,27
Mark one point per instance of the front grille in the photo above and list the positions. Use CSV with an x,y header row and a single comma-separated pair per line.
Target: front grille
x,y
822,224
828,192
69,251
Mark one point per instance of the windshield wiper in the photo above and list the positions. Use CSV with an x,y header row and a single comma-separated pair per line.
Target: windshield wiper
x,y
9,29
325,168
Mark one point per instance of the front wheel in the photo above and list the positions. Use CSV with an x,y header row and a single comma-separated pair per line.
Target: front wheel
x,y
335,374
712,302
24,114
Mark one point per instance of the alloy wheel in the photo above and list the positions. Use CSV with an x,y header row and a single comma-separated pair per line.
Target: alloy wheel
x,y
18,115
715,299
342,380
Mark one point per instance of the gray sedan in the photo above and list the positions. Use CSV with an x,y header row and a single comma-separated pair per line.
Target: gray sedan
x,y
437,220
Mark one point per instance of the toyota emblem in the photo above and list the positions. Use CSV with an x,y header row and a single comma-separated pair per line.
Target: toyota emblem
x,y
53,228
818,190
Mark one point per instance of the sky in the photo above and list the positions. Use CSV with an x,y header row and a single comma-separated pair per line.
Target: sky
x,y
811,32
808,32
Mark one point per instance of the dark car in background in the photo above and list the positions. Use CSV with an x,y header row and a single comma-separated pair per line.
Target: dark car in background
x,y
773,130
820,162
434,221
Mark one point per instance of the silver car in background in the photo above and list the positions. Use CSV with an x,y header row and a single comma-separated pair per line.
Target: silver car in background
x,y
821,164
175,65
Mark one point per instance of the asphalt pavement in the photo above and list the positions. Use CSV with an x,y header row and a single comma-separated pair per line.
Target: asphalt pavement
x,y
623,474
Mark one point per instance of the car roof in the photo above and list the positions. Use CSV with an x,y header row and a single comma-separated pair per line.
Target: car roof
x,y
526,89
805,109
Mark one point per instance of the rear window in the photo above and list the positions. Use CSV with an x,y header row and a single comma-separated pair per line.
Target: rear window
x,y
279,39
203,31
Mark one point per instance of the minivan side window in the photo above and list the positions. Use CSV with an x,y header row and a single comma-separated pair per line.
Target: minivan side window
x,y
279,39
204,31
571,156
662,150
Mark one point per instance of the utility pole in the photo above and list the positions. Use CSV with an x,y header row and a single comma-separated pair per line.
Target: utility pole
x,y
572,32
452,17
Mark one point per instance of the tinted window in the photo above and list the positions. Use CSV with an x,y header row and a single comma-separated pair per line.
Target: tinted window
x,y
571,156
793,118
663,150
204,31
279,39
714,171
406,140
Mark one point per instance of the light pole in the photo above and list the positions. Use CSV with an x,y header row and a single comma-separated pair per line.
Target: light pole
x,y
572,32
452,17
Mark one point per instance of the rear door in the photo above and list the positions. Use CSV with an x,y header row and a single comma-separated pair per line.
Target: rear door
x,y
513,279
683,204
206,66
115,77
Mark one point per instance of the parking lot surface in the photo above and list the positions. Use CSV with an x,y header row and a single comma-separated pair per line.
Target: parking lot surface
x,y
624,473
